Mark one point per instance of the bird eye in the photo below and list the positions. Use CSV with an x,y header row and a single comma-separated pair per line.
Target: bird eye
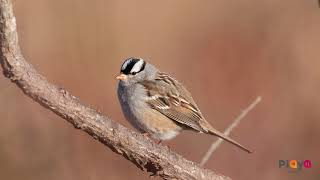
x,y
134,73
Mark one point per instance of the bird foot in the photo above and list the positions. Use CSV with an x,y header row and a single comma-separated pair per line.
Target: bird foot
x,y
148,135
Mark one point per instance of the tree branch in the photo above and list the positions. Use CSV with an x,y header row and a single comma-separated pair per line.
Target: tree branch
x,y
235,123
143,152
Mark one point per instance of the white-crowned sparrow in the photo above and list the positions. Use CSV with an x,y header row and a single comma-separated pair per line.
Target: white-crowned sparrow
x,y
157,104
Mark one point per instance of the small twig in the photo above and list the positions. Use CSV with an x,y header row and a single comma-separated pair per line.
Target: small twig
x,y
235,123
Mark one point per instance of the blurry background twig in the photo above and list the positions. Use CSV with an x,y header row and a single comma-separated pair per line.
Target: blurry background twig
x,y
144,153
235,123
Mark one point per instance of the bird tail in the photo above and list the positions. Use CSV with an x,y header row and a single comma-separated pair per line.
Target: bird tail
x,y
226,138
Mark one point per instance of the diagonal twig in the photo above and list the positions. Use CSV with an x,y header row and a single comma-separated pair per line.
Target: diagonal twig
x,y
235,123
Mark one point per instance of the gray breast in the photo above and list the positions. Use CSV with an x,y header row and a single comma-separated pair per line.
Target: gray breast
x,y
132,104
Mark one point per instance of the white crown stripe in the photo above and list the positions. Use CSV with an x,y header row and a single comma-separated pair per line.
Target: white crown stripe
x,y
137,66
124,66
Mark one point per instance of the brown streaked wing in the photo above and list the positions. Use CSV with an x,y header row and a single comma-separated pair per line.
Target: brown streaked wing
x,y
171,99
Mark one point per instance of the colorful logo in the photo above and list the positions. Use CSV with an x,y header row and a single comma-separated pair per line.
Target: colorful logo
x,y
295,164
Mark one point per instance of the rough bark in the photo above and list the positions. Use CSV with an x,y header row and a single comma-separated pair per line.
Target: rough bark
x,y
144,153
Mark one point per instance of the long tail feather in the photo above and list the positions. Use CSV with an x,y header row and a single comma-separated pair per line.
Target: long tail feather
x,y
222,136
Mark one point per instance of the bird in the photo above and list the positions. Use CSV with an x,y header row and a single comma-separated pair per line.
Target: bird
x,y
158,105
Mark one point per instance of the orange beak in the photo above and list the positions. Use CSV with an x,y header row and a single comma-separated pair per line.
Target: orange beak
x,y
122,77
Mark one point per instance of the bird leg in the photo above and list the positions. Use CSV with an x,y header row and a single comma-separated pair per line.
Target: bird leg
x,y
148,135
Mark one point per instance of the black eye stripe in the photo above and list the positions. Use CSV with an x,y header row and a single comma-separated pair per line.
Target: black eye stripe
x,y
129,63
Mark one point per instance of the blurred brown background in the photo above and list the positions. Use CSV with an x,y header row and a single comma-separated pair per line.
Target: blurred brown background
x,y
225,52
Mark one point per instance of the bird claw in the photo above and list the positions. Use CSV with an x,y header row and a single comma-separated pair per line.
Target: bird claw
x,y
148,135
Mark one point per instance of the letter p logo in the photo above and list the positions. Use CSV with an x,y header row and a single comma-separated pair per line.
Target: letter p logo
x,y
282,163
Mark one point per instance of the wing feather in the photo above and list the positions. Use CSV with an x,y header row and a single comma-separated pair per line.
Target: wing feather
x,y
171,99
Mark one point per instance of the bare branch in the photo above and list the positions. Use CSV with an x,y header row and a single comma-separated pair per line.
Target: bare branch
x,y
235,123
143,152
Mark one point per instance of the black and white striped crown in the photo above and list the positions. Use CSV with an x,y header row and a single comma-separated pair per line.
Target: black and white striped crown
x,y
132,66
